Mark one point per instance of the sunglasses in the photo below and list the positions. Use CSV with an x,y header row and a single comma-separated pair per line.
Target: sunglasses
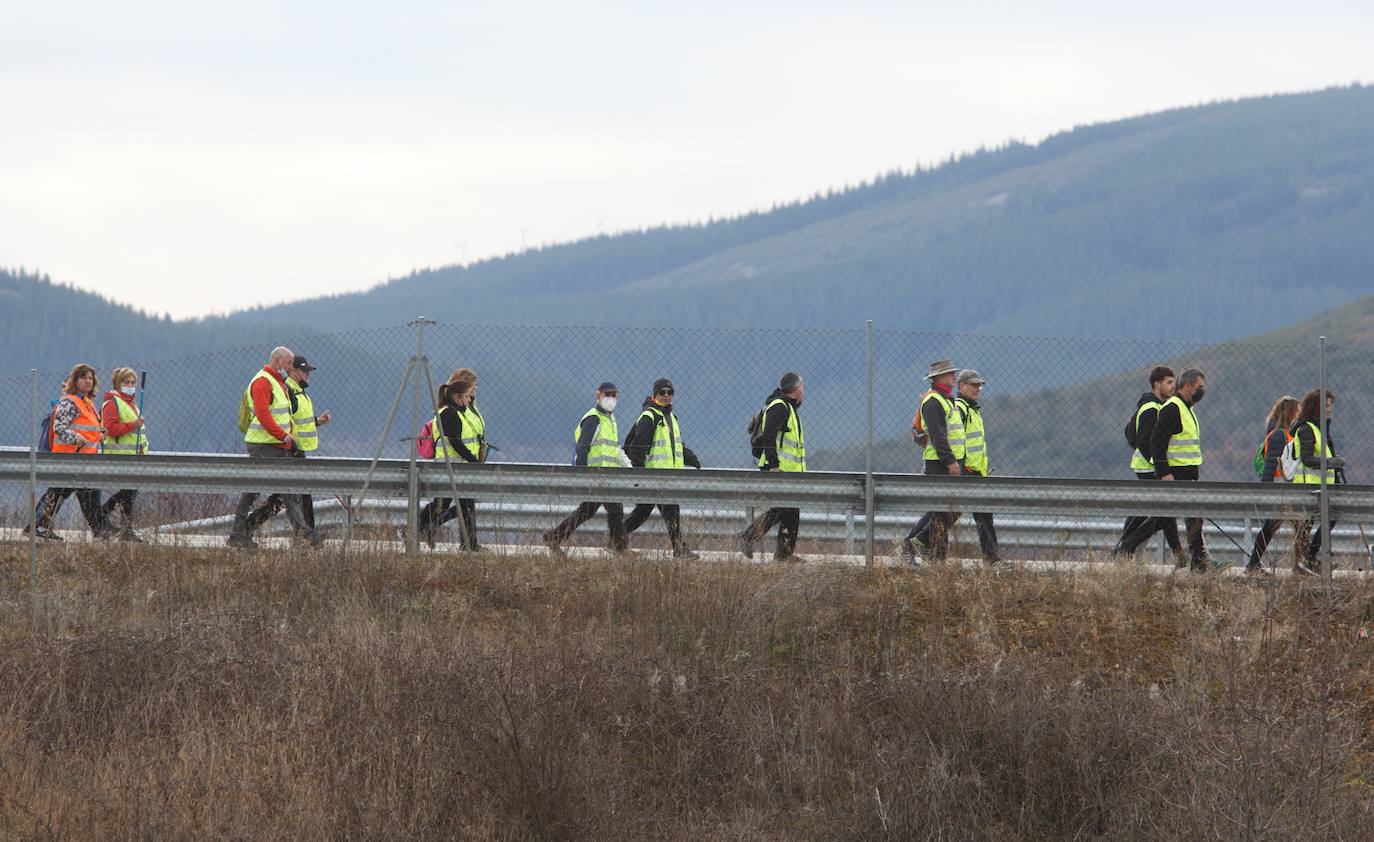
x,y
666,392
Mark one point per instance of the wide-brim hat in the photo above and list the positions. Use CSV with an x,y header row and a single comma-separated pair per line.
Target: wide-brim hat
x,y
940,367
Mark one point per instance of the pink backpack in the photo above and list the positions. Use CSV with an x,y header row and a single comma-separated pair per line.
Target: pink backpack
x,y
424,443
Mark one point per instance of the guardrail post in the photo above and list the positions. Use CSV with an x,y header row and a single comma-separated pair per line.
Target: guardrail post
x,y
868,458
1325,507
849,531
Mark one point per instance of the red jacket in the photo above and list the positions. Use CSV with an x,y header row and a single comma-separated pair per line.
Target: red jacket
x,y
109,415
261,393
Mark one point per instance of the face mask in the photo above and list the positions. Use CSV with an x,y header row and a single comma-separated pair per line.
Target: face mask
x,y
608,404
1197,396
128,390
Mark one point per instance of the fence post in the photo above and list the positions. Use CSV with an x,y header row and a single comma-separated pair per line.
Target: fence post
x,y
413,487
33,496
868,458
1325,508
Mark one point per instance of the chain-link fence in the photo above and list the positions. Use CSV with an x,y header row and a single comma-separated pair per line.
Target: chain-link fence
x,y
1052,407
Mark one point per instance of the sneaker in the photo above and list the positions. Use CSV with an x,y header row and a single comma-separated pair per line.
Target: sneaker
x,y
242,542
1220,566
912,551
45,533
686,554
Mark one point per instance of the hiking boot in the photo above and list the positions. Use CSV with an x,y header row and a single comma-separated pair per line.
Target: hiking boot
x,y
242,542
745,546
686,554
912,550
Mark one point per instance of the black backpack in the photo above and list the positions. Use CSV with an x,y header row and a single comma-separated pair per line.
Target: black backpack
x,y
45,430
755,430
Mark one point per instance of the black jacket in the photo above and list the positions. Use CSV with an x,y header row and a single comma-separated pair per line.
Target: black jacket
x,y
1274,443
933,423
641,436
1307,443
775,421
1167,425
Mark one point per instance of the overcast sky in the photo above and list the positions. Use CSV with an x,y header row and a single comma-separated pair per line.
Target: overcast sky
x,y
194,159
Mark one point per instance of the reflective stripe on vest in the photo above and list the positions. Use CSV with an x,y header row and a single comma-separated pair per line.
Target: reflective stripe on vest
x,y
304,419
791,443
86,424
474,429
280,409
954,428
1185,446
128,444
605,450
1312,476
1140,463
975,444
666,450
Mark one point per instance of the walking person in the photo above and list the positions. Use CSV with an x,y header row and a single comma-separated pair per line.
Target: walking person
x,y
597,446
268,433
1139,432
655,442
76,428
1308,443
459,434
305,424
938,426
1281,417
782,444
125,435
1176,451
976,455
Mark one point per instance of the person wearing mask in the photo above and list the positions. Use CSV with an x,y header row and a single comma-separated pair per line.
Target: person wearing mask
x,y
1139,431
125,435
597,444
655,442
306,425
1176,451
939,427
1308,444
76,428
1276,438
457,437
782,443
269,434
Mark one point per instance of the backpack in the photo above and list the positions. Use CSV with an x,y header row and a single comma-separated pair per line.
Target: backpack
x,y
755,430
424,442
245,412
1259,458
918,422
45,430
1288,460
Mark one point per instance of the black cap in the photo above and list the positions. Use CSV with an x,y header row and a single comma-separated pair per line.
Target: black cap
x,y
662,383
608,386
301,363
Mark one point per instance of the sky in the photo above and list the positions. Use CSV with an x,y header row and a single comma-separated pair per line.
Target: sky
x,y
194,159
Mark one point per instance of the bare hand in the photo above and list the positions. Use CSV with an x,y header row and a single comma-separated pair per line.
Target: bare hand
x,y
138,423
323,418
955,470
289,441
1167,478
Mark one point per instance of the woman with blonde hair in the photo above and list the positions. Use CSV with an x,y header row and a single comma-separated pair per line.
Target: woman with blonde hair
x,y
76,428
1277,436
125,435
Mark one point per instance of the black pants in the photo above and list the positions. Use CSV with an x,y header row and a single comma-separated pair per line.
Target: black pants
x,y
274,503
788,522
1197,549
933,527
89,498
1168,525
244,523
124,501
437,512
672,518
987,532
615,521
1265,536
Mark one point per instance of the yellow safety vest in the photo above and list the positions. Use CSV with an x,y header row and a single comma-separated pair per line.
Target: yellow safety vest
x,y
128,444
304,418
280,409
1185,446
1312,476
605,450
666,450
975,444
474,429
1140,463
791,443
954,428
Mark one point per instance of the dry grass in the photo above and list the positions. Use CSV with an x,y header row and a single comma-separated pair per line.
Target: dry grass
x,y
256,697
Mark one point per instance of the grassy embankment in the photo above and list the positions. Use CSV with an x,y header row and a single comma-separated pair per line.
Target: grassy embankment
x,y
256,697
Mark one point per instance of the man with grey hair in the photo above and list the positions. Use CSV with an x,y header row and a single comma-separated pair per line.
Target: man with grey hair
x,y
1176,451
265,420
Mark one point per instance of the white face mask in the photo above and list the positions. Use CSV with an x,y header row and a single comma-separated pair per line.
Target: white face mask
x,y
608,404
128,390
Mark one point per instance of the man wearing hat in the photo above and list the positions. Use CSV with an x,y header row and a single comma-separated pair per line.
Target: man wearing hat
x,y
305,423
781,445
655,442
939,426
976,454
598,446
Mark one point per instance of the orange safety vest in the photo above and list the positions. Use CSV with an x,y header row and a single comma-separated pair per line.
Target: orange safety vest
x,y
86,424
